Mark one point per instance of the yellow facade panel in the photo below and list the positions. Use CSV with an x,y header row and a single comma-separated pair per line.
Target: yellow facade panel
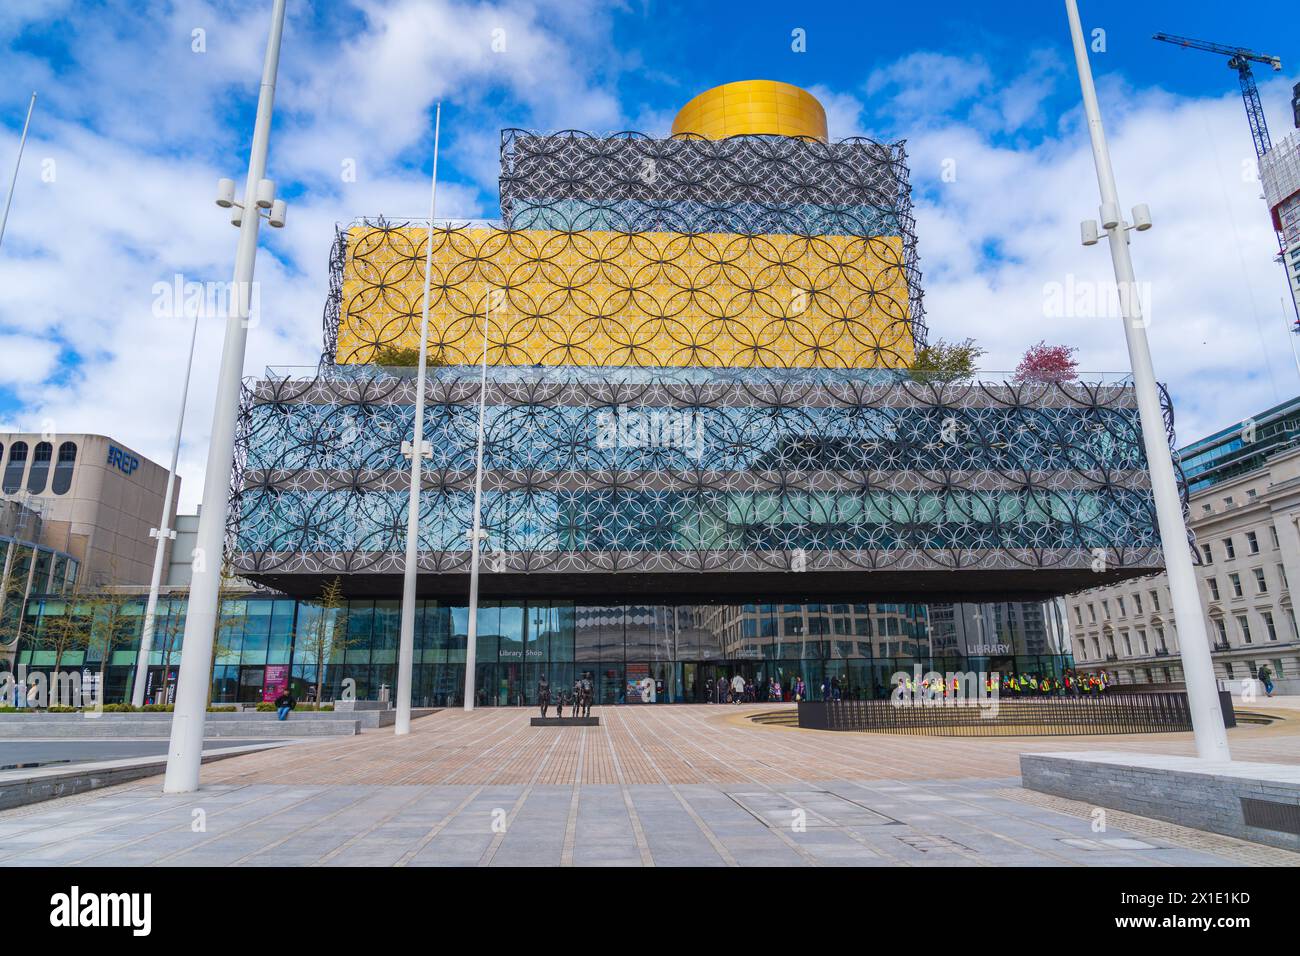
x,y
646,299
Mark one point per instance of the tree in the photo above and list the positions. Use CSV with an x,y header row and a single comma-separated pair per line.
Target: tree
x,y
168,631
227,640
13,601
1048,363
326,634
944,361
402,356
67,632
107,628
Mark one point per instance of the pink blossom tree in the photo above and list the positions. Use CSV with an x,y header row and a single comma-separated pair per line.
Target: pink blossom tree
x,y
1048,363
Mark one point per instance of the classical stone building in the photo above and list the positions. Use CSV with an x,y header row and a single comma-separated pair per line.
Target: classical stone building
x,y
1247,529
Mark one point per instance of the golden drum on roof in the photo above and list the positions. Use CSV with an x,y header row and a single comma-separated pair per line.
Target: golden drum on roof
x,y
752,107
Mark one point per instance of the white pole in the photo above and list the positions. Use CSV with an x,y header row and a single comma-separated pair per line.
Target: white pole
x,y
476,534
22,142
406,651
1198,669
163,533
186,749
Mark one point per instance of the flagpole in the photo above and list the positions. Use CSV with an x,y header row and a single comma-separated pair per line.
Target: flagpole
x,y
406,651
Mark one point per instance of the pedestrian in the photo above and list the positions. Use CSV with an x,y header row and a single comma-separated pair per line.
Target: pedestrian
x,y
737,689
1266,678
285,703
775,692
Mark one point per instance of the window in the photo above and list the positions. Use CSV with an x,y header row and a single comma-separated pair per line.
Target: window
x,y
1295,628
1252,542
63,468
1236,584
13,479
1243,625
1155,600
1272,530
1214,588
1261,585
1222,629
1160,638
1142,639
1227,669
1092,613
1207,554
40,467
1268,623
1137,604
1228,501
1251,494
1105,609
1120,602
1128,644
1207,509
1078,615
1229,549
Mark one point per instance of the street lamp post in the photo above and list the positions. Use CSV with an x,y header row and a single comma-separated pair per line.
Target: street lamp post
x,y
185,750
163,533
476,534
406,647
13,183
1198,669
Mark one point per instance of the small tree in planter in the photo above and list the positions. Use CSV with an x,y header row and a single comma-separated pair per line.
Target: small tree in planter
x,y
326,636
109,628
227,632
406,356
1048,363
946,361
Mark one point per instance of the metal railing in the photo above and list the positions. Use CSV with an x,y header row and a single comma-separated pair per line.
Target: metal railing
x,y
1110,713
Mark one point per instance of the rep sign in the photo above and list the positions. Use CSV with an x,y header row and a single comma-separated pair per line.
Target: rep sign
x,y
125,461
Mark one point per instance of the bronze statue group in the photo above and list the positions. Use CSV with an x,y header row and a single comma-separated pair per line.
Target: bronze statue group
x,y
577,700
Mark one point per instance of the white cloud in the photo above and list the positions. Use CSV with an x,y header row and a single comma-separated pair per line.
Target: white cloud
x,y
25,359
999,239
138,128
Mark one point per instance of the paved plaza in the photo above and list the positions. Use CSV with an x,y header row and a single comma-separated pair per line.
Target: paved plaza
x,y
663,786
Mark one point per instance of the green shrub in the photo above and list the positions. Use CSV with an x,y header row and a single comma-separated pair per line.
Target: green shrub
x,y
943,361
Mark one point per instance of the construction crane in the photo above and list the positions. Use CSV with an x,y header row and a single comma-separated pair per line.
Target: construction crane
x,y
1240,59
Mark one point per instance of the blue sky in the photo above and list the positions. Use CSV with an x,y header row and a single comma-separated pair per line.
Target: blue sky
x,y
134,126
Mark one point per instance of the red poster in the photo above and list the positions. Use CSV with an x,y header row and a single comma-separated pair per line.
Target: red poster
x,y
275,682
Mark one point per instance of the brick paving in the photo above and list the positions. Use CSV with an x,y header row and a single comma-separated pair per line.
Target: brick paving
x,y
653,786
680,744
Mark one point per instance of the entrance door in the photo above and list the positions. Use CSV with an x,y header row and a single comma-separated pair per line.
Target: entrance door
x,y
250,685
512,690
